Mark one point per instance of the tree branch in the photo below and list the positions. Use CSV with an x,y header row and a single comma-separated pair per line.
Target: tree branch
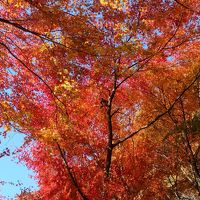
x,y
110,128
41,36
192,158
73,179
159,116
45,37
35,74
181,4
148,58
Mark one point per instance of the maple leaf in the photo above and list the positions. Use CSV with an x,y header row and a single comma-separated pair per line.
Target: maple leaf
x,y
96,86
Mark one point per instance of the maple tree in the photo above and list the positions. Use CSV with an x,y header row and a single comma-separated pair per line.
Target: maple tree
x,y
107,93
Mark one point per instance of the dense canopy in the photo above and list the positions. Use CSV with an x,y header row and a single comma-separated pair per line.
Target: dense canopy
x,y
108,95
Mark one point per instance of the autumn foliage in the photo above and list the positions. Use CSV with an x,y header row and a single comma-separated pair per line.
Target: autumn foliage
x,y
108,96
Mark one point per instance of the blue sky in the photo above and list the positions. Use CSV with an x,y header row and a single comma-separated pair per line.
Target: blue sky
x,y
11,171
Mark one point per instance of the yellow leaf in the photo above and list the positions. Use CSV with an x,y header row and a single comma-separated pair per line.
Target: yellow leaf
x,y
43,48
18,4
7,128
